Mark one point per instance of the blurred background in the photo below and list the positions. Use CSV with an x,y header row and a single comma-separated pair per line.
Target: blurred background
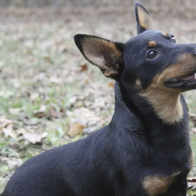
x,y
49,94
60,3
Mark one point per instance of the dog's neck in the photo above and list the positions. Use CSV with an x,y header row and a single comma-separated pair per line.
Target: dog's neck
x,y
124,114
166,105
134,112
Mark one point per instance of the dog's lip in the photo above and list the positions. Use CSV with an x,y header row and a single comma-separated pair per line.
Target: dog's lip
x,y
187,81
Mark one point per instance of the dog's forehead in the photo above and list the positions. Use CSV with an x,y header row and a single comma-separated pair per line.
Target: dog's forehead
x,y
147,36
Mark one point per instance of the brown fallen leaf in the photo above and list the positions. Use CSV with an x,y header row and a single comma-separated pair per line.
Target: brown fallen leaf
x,y
191,179
83,67
53,113
191,182
111,84
40,114
75,129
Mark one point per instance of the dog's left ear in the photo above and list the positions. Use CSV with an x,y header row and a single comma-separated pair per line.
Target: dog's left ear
x,y
105,54
143,18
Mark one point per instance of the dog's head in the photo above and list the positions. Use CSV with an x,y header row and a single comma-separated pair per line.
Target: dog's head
x,y
150,64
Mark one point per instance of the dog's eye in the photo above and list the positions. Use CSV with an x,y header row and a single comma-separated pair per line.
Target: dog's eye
x,y
172,38
151,54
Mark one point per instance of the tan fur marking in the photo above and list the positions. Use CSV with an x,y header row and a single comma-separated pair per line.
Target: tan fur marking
x,y
152,44
166,105
94,47
165,34
165,101
155,185
138,84
144,19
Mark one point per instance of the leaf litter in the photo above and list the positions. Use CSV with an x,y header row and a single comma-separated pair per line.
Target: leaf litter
x,y
49,94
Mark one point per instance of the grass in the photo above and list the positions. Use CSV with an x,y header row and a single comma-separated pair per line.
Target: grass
x,y
41,76
44,85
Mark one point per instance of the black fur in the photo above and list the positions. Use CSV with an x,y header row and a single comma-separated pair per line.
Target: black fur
x,y
137,143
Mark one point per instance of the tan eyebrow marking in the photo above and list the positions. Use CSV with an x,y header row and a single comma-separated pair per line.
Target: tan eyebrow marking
x,y
165,34
152,44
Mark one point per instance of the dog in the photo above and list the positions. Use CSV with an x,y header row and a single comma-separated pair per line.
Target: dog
x,y
145,149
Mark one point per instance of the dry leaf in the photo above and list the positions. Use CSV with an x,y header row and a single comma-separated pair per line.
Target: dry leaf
x,y
53,113
47,58
84,67
83,116
192,116
34,137
192,179
15,111
8,131
193,130
73,99
191,184
56,80
12,163
40,114
34,96
4,122
20,131
75,129
111,84
100,104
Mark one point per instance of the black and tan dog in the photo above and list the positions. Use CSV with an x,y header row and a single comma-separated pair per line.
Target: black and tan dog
x,y
144,151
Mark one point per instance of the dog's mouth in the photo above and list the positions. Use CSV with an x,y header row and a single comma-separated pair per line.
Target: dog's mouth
x,y
183,82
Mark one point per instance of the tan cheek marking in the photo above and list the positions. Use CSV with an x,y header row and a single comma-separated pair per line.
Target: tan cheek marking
x,y
144,18
155,185
185,65
152,44
165,104
165,101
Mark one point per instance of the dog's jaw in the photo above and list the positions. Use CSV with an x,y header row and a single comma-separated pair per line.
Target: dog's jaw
x,y
166,106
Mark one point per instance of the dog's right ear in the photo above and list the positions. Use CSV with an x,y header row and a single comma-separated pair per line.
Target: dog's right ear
x,y
143,18
105,54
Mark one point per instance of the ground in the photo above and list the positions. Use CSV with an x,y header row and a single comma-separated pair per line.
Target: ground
x,y
49,94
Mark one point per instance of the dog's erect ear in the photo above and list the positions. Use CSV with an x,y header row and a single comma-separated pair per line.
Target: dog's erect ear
x,y
105,54
143,18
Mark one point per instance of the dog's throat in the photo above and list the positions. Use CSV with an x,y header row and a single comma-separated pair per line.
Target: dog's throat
x,y
166,105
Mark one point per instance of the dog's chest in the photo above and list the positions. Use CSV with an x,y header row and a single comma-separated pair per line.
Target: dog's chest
x,y
156,185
